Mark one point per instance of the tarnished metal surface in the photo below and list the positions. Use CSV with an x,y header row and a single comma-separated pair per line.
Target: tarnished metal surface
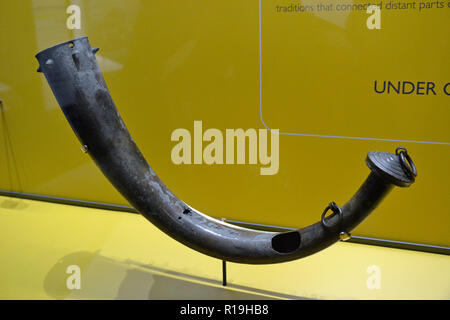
x,y
78,85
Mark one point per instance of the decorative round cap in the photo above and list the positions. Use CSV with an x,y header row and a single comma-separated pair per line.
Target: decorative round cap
x,y
397,168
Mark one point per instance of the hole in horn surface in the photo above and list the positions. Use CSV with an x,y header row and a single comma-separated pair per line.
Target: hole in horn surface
x,y
286,242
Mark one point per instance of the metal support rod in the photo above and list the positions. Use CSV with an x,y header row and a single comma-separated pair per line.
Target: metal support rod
x,y
224,273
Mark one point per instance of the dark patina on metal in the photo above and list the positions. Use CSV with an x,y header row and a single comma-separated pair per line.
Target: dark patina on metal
x,y
78,85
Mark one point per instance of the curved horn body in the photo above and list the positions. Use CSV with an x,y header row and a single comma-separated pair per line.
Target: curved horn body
x,y
78,85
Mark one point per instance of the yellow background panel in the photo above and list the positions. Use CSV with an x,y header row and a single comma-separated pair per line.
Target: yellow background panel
x,y
168,63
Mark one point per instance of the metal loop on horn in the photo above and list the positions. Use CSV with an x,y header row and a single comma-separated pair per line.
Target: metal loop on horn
x,y
343,234
336,209
405,160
